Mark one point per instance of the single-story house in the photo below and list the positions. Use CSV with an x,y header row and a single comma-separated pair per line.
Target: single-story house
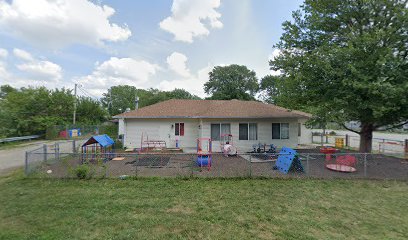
x,y
250,122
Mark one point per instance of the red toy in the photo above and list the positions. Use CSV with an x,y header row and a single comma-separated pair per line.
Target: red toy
x,y
344,163
328,151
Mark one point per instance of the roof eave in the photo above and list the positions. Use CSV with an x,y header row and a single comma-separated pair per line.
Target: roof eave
x,y
208,117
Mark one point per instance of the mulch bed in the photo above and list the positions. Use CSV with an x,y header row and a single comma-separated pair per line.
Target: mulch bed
x,y
151,161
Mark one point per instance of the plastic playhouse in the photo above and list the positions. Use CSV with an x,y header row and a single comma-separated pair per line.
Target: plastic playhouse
x,y
96,148
204,152
227,145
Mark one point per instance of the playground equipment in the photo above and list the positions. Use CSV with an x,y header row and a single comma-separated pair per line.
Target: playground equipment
x,y
328,151
288,160
146,144
98,147
204,152
227,145
343,163
261,148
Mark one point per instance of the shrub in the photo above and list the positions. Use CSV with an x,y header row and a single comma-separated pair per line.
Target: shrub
x,y
82,171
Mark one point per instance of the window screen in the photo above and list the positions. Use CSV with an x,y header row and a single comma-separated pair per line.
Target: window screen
x,y
243,131
181,129
253,131
284,130
215,132
177,129
275,130
225,128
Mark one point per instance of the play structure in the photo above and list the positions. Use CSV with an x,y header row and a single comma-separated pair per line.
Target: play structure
x,y
100,147
288,160
227,145
343,163
146,144
328,151
204,152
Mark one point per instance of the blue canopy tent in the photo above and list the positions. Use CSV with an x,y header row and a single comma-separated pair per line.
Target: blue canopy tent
x,y
98,147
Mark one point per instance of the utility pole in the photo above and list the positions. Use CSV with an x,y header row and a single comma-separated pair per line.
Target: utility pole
x,y
75,104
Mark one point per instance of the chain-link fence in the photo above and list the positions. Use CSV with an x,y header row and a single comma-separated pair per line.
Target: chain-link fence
x,y
71,131
49,154
40,163
391,147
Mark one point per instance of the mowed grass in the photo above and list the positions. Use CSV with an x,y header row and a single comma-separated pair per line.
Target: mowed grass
x,y
202,209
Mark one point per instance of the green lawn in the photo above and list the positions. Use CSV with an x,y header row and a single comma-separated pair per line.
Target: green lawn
x,y
202,209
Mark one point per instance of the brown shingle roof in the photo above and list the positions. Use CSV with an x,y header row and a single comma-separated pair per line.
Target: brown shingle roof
x,y
177,108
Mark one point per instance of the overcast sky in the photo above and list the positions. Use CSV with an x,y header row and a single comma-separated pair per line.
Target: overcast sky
x,y
163,44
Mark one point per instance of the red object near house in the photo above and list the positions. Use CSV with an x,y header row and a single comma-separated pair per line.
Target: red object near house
x,y
328,151
63,134
346,160
344,163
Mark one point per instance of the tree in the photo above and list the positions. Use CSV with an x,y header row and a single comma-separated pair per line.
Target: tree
x,y
28,111
269,90
232,82
90,111
347,60
119,98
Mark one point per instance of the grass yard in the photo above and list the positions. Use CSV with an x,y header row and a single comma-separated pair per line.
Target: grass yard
x,y
202,209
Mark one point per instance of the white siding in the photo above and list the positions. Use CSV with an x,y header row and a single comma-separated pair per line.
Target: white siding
x,y
264,133
121,127
160,129
306,134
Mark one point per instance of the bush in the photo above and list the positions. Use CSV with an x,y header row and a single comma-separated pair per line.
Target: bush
x,y
82,171
118,144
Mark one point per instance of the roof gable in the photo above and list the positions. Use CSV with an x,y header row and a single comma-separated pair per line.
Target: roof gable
x,y
103,140
178,108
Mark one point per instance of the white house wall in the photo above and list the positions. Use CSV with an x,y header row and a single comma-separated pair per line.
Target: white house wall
x,y
306,133
121,127
160,129
264,133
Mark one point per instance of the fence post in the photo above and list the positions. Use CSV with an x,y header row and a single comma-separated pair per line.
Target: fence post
x,y
250,165
26,163
365,164
406,148
307,164
347,140
137,162
45,152
74,146
55,151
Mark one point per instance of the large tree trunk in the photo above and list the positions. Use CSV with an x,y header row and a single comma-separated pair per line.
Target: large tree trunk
x,y
366,137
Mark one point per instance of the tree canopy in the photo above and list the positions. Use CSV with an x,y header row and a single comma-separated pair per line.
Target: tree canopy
x,y
232,82
119,98
346,59
27,111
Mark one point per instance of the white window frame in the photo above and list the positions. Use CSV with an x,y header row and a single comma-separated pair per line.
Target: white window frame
x,y
248,139
280,131
218,123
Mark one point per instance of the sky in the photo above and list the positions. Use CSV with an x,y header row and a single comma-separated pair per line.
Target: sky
x,y
162,44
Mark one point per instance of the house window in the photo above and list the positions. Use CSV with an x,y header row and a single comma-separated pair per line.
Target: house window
x,y
217,129
179,130
280,130
248,131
